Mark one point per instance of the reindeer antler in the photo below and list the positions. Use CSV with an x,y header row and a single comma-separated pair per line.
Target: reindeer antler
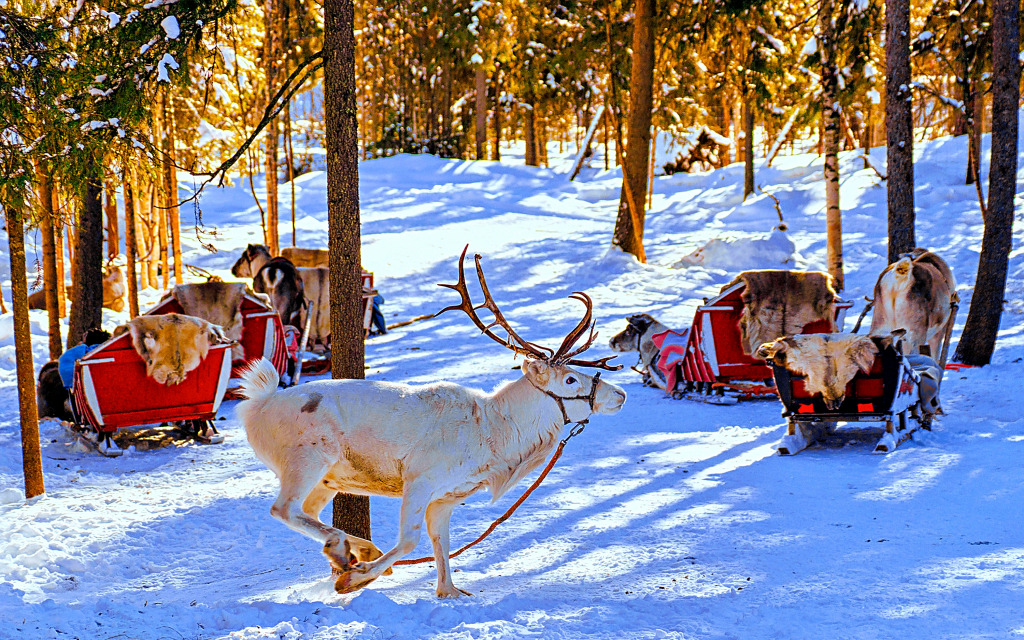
x,y
565,353
514,341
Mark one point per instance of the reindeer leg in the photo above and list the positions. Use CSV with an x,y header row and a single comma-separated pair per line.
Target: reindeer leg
x,y
301,499
438,516
360,548
360,574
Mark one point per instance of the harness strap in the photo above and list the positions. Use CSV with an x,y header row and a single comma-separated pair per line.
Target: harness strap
x,y
575,431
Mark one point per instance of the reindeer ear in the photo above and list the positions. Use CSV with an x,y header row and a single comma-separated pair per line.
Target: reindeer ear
x,y
536,371
864,352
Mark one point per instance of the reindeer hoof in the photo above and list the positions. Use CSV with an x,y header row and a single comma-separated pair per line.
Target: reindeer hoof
x,y
454,592
350,581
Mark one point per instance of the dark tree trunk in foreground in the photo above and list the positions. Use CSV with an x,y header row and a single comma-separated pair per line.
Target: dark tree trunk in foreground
x,y
272,49
30,450
979,336
830,143
899,129
351,513
87,304
629,225
50,273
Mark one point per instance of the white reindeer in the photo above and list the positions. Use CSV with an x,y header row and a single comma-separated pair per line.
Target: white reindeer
x,y
431,445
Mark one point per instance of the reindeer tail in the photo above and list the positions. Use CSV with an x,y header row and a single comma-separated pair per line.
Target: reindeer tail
x,y
903,266
260,380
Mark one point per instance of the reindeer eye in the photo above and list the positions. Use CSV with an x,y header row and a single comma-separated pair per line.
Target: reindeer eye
x,y
570,380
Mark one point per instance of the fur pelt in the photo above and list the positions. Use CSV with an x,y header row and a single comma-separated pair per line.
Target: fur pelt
x,y
219,303
828,360
316,287
172,345
915,293
115,287
309,258
51,396
780,303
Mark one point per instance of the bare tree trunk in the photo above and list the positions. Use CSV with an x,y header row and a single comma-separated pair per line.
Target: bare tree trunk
x,y
530,130
272,47
899,127
155,249
975,107
542,138
629,224
748,144
351,513
866,135
979,337
50,272
58,248
830,122
170,177
496,150
87,304
290,157
481,111
110,211
31,457
130,244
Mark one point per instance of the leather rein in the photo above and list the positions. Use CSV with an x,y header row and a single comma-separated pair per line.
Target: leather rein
x,y
575,431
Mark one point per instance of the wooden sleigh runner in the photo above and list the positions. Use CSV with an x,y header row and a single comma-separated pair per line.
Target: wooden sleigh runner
x,y
708,362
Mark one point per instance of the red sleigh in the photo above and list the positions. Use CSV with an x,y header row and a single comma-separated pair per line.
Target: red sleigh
x,y
111,389
712,365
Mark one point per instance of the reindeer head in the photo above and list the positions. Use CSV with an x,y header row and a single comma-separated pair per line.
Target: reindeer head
x,y
629,338
549,371
254,256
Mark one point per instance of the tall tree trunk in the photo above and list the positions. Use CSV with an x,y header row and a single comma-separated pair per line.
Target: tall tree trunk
x,y
481,112
58,237
975,107
831,124
50,272
530,130
351,513
272,47
979,337
290,157
496,149
110,211
899,129
155,248
170,177
629,224
130,244
87,304
865,139
748,144
30,450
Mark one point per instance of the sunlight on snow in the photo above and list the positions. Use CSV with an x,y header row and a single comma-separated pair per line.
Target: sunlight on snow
x,y
915,478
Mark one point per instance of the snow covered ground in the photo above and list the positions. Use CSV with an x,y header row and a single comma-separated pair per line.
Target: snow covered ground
x,y
671,519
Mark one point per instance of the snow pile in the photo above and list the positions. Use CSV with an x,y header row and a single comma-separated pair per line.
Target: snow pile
x,y
731,253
